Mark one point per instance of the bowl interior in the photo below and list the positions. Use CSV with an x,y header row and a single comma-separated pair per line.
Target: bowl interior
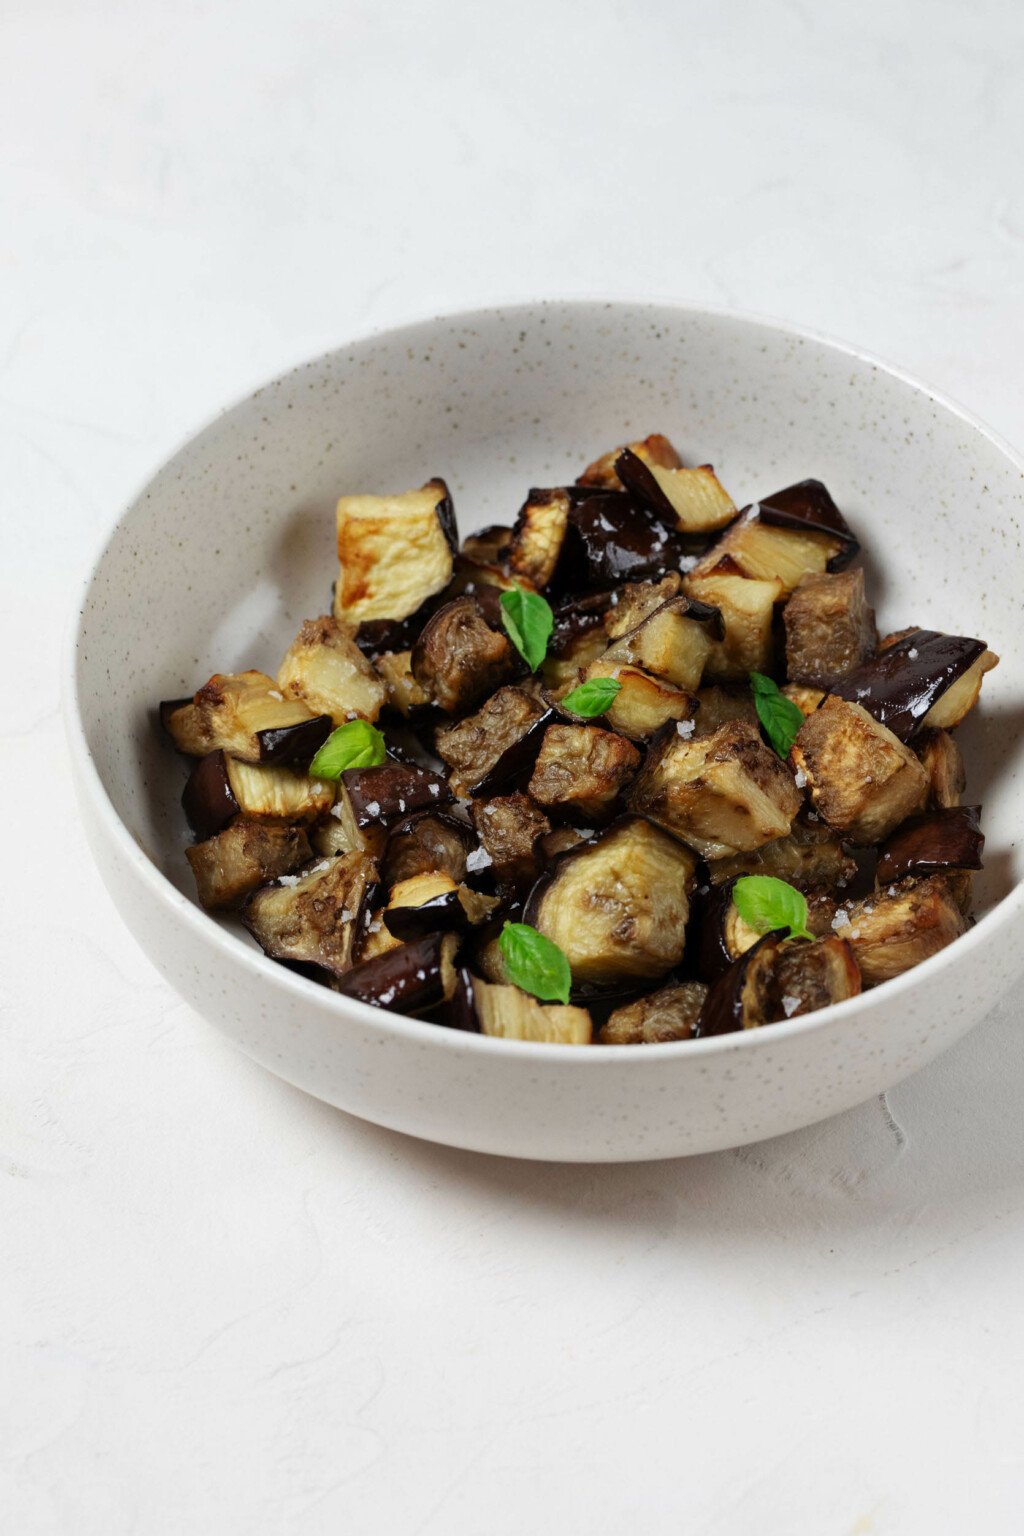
x,y
231,545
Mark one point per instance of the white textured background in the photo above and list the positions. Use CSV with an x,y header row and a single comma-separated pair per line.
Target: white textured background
x,y
225,1308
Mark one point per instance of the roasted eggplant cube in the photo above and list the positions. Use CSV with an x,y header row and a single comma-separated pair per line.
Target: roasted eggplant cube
x,y
943,762
805,699
780,979
612,538
461,657
862,780
617,906
538,537
246,715
919,679
326,670
394,552
655,449
508,827
312,918
581,771
497,747
220,788
720,933
629,605
561,673
674,642
671,1013
643,704
829,628
812,858
931,844
747,608
895,929
428,841
402,692
246,855
508,1013
717,706
766,553
487,547
693,501
808,507
411,978
722,794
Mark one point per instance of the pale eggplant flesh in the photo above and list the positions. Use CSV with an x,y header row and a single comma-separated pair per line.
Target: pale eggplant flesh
x,y
931,844
807,507
901,683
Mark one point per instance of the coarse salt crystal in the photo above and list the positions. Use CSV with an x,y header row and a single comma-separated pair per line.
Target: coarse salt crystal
x,y
686,728
288,879
841,920
799,778
338,809
790,1004
913,653
478,859
273,693
373,808
435,790
687,562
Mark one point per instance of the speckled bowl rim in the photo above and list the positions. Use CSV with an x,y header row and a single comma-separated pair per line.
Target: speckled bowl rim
x,y
237,951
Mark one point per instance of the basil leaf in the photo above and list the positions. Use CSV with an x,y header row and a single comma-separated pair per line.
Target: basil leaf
x,y
535,963
780,717
357,744
528,619
592,698
765,903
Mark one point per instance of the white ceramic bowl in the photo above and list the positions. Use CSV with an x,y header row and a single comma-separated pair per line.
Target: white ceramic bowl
x,y
231,545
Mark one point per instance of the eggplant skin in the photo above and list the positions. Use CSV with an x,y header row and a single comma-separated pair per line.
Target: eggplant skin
x,y
780,979
313,918
896,928
741,997
611,538
390,791
603,474
429,840
671,1013
207,799
413,978
901,684
808,506
927,845
617,906
495,748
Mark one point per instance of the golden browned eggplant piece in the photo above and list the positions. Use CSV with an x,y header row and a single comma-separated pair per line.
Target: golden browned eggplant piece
x,y
429,840
919,679
643,704
779,979
394,552
581,770
508,1013
765,553
805,699
693,501
861,778
246,855
671,1013
722,794
402,690
928,845
811,857
461,656
654,449
246,714
747,607
538,537
672,642
312,918
830,629
943,762
508,827
496,748
717,706
220,788
325,668
617,906
896,928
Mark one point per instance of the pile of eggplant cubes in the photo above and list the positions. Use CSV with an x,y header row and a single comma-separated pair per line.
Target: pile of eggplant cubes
x,y
635,769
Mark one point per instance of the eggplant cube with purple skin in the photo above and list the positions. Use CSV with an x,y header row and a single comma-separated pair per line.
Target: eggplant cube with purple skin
x,y
830,629
747,609
780,979
245,855
722,794
496,748
862,779
693,501
461,656
618,906
581,770
671,1013
326,670
538,537
394,552
312,918
673,641
508,827
246,715
653,450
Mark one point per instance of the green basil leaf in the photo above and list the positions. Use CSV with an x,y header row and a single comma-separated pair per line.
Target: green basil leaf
x,y
780,717
592,698
766,903
358,744
535,963
529,621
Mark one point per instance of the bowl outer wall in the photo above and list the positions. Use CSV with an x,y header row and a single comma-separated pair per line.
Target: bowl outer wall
x,y
738,382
